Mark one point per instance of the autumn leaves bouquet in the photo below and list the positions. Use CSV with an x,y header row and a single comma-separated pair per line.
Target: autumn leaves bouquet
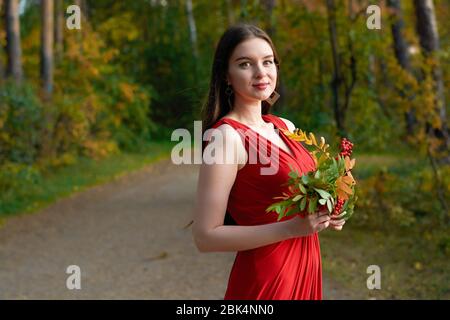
x,y
330,186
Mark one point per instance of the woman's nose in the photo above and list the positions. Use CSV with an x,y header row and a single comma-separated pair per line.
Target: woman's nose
x,y
260,70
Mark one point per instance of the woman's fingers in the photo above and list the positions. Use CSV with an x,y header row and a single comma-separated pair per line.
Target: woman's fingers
x,y
323,225
337,224
322,222
322,213
323,218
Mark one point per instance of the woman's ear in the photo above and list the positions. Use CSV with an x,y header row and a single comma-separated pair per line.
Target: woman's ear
x,y
227,79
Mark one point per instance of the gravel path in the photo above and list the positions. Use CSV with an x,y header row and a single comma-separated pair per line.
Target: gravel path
x,y
126,236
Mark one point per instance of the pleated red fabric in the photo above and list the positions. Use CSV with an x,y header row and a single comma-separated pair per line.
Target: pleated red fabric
x,y
286,270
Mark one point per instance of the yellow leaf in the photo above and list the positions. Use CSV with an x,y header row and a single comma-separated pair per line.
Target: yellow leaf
x,y
341,194
348,180
349,164
322,142
313,139
342,186
349,173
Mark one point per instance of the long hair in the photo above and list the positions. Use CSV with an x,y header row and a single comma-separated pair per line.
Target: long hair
x,y
217,104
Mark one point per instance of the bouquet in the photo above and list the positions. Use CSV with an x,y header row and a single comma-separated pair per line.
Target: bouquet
x,y
330,186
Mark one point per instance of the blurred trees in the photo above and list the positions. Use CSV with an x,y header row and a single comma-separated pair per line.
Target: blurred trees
x,y
47,36
138,69
13,43
429,41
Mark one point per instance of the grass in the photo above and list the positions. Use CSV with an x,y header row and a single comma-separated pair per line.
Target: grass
x,y
412,267
83,174
412,262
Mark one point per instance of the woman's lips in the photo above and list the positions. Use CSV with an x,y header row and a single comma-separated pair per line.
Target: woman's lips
x,y
261,86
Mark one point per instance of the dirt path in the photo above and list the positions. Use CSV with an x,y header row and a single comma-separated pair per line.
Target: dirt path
x,y
127,239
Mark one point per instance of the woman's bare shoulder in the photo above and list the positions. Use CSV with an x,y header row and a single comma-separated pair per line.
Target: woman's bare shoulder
x,y
289,124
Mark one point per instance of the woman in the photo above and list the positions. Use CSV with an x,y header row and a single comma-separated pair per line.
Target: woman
x,y
275,259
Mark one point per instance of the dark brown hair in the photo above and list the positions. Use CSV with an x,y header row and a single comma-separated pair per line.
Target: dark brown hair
x,y
217,105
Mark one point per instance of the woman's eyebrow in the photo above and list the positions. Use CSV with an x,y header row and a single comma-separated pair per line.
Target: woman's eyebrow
x,y
241,58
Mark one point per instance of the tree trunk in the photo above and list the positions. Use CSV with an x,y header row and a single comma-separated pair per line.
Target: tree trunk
x,y
13,46
337,81
2,73
193,38
401,53
192,28
59,30
429,41
47,47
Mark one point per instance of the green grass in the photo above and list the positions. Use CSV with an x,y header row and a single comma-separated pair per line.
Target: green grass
x,y
413,259
83,174
412,266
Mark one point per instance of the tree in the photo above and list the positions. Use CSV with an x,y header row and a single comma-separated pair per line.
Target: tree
x,y
429,41
47,47
1,48
13,46
59,29
192,28
401,53
341,85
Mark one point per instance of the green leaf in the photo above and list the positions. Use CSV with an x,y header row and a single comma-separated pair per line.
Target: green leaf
x,y
317,174
330,208
293,174
271,207
312,205
303,204
291,211
323,201
302,188
340,215
297,197
323,193
305,179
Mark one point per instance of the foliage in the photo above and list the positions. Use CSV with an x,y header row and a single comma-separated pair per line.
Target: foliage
x,y
21,117
331,185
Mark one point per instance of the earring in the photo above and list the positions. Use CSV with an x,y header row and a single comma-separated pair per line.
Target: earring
x,y
229,90
273,98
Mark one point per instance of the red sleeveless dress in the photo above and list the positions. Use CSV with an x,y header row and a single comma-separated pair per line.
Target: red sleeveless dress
x,y
286,270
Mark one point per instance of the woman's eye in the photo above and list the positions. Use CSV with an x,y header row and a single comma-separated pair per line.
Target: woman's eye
x,y
246,64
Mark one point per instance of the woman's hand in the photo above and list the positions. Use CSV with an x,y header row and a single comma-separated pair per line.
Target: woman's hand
x,y
336,223
301,226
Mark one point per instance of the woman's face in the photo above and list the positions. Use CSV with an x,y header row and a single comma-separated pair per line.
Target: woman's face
x,y
252,71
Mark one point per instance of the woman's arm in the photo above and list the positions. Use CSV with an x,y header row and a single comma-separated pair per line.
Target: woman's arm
x,y
214,185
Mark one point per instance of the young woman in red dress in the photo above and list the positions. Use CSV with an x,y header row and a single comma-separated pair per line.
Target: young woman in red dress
x,y
275,259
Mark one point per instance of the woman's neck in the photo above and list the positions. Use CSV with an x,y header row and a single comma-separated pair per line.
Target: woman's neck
x,y
248,113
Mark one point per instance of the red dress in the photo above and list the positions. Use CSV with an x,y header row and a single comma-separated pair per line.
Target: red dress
x,y
286,270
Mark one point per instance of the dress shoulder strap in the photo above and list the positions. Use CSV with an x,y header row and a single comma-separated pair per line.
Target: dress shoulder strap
x,y
276,121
